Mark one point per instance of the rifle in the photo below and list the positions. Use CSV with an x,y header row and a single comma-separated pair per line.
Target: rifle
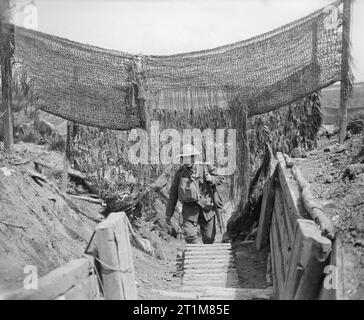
x,y
220,221
218,216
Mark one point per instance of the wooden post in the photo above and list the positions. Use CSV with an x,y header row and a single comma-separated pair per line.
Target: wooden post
x,y
111,246
66,158
67,154
266,210
6,36
241,178
344,88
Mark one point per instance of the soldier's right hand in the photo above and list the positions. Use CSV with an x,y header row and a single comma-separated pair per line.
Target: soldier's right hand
x,y
168,220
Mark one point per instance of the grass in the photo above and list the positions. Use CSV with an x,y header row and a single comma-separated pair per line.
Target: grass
x,y
56,143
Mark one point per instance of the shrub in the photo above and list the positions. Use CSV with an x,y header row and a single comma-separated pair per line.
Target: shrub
x,y
31,136
356,123
56,143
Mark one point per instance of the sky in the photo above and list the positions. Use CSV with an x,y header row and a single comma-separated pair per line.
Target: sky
x,y
174,26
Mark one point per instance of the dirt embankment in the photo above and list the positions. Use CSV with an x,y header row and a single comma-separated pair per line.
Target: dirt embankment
x,y
342,198
37,225
40,227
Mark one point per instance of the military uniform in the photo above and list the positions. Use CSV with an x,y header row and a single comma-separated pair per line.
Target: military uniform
x,y
192,213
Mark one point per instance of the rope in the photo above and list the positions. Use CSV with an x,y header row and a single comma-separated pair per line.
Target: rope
x,y
112,269
94,271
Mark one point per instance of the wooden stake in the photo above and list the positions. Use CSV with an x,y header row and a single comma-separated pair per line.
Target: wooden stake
x,y
6,75
265,218
66,159
111,245
343,112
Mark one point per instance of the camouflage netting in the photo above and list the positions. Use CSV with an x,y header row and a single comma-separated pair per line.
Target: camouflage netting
x,y
217,88
103,88
290,127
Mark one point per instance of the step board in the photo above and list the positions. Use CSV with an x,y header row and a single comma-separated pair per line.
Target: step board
x,y
209,265
213,293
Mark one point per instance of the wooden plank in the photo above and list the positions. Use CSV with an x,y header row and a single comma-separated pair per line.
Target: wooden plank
x,y
217,283
205,271
290,190
224,275
221,268
222,249
55,283
206,265
209,254
203,250
211,273
266,210
221,253
223,282
209,259
227,247
210,262
290,224
307,262
208,246
237,293
281,246
208,293
278,259
285,219
281,227
273,266
87,290
216,277
188,261
213,247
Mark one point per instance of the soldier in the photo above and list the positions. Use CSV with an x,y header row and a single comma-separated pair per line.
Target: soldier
x,y
194,184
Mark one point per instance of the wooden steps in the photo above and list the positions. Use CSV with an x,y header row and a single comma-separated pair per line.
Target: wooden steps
x,y
214,293
209,273
209,265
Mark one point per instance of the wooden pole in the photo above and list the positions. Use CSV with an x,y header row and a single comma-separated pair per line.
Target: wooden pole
x,y
6,75
345,82
265,217
67,153
66,158
113,249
